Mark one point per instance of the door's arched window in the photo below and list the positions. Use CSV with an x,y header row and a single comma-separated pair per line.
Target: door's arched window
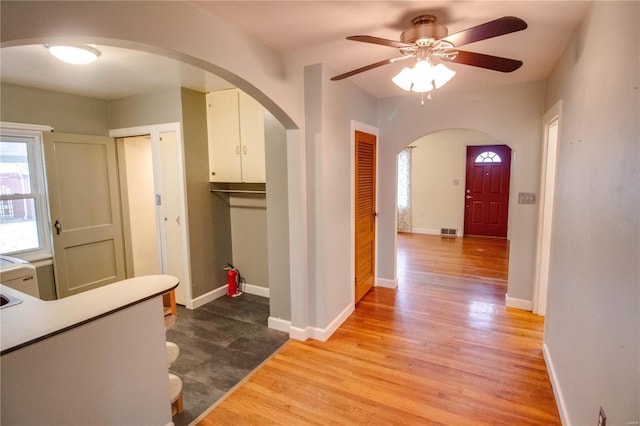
x,y
488,157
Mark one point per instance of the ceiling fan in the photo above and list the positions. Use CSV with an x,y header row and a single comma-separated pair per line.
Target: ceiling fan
x,y
427,40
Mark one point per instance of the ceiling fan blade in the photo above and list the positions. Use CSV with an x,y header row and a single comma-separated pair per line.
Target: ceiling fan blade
x,y
489,62
371,66
495,28
378,40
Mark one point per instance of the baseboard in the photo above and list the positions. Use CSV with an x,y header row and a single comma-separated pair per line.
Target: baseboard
x,y
425,231
256,290
555,385
432,232
223,290
279,324
321,334
209,297
383,282
511,302
297,333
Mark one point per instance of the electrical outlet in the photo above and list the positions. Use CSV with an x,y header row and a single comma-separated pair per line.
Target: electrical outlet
x,y
602,418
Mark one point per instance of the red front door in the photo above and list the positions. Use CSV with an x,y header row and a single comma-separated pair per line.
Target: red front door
x,y
487,190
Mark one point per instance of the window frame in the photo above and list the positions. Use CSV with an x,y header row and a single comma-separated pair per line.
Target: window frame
x,y
488,157
32,136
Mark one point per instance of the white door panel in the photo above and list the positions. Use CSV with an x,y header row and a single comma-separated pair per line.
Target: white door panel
x,y
84,202
173,222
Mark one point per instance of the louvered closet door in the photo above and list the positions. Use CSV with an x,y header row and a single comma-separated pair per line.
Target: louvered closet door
x,y
365,213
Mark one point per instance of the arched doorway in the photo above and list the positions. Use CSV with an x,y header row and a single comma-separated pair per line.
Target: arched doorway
x,y
434,177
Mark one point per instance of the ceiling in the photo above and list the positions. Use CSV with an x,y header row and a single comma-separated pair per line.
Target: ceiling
x,y
312,32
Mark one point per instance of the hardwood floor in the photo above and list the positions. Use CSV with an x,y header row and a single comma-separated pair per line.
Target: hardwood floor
x,y
440,349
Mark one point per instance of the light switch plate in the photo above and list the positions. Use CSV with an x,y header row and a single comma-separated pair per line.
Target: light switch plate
x,y
526,198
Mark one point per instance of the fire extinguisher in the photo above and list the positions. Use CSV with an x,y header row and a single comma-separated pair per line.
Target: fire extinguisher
x,y
233,281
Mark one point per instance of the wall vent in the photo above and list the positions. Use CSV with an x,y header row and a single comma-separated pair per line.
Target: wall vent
x,y
448,232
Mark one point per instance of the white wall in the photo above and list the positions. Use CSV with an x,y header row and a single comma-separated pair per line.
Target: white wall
x,y
146,109
593,315
174,29
330,107
438,172
248,214
512,116
277,218
66,113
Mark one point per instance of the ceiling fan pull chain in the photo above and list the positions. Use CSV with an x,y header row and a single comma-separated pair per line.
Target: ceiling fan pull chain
x,y
422,97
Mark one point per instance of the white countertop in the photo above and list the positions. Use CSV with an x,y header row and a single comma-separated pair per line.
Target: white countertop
x,y
36,319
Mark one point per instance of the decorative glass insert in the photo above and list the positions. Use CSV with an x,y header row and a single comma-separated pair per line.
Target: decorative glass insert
x,y
404,190
488,157
404,176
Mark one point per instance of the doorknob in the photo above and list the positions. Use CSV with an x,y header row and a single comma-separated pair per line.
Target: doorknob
x,y
468,197
58,227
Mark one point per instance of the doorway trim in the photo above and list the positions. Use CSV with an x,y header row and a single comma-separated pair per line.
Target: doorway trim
x,y
154,131
366,128
548,176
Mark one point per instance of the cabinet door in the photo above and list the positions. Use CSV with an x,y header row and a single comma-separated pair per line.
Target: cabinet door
x,y
224,136
252,139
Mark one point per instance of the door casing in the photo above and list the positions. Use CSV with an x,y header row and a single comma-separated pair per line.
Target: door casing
x,y
183,292
548,172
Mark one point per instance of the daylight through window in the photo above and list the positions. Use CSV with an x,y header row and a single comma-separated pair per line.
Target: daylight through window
x,y
22,195
488,157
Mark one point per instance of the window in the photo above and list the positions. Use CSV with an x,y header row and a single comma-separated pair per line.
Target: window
x,y
404,178
23,212
404,190
488,157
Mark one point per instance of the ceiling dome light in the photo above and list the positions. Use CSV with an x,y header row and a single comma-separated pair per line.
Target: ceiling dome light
x,y
77,54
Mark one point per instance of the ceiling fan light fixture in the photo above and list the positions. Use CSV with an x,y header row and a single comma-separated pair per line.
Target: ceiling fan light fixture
x,y
442,75
74,54
404,79
423,77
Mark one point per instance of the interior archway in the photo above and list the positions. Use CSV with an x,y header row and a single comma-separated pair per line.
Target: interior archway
x,y
436,185
138,68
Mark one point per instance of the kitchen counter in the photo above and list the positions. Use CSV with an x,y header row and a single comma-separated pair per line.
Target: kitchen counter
x,y
34,319
97,357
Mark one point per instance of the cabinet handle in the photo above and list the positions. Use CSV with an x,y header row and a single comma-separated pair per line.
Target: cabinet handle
x,y
238,149
244,150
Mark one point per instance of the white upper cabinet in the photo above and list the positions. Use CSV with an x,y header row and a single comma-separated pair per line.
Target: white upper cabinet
x,y
235,124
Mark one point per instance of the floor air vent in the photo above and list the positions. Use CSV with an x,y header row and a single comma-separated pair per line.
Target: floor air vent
x,y
448,232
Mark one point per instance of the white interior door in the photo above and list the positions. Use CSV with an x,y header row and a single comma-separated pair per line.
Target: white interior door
x,y
171,215
84,201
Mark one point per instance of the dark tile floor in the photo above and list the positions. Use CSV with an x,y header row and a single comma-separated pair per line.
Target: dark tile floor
x,y
220,344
